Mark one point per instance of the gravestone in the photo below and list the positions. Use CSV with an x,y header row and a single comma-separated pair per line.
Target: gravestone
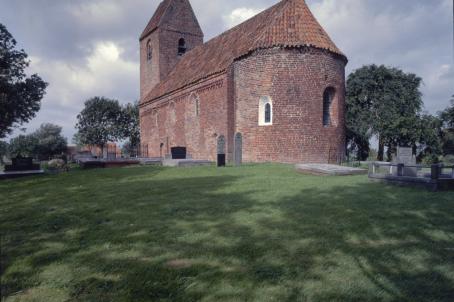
x,y
406,157
20,164
178,152
238,154
221,151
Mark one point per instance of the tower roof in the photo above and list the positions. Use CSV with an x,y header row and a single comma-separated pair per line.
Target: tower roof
x,y
164,16
289,23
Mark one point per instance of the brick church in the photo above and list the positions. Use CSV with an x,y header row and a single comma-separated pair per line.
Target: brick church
x,y
271,89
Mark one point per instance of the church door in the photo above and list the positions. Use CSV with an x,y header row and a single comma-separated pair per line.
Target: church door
x,y
221,151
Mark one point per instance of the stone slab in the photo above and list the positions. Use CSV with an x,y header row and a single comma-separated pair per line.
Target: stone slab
x,y
150,161
186,163
17,174
329,170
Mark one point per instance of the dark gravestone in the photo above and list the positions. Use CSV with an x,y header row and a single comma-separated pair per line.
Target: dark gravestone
x,y
178,152
238,153
221,151
406,157
20,164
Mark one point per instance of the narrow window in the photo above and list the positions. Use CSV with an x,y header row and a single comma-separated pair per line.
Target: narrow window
x,y
265,111
149,51
197,106
328,97
181,47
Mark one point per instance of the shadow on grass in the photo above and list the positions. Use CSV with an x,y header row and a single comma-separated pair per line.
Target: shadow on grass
x,y
138,237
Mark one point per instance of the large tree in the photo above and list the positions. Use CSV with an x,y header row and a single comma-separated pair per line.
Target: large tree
x,y
20,96
99,121
43,144
447,118
23,145
383,102
447,115
50,141
3,150
129,124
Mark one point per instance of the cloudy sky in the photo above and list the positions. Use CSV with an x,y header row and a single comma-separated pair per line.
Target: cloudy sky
x,y
86,48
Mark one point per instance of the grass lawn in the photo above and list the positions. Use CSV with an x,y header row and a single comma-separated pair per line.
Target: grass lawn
x,y
254,233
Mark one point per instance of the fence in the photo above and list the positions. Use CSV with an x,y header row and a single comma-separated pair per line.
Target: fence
x,y
139,151
434,177
436,171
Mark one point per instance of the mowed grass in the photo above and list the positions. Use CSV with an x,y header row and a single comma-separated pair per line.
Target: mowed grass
x,y
251,233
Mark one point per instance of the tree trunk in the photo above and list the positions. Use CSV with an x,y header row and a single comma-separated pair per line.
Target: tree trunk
x,y
381,149
389,154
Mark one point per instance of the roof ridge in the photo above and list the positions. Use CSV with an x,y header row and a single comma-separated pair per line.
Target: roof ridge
x,y
283,4
288,23
156,19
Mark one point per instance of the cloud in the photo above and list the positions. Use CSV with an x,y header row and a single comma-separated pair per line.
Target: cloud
x,y
105,72
96,13
415,36
86,48
238,15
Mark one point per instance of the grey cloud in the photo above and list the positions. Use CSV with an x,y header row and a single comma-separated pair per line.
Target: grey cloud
x,y
414,35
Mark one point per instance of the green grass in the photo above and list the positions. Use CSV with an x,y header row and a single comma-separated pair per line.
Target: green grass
x,y
253,233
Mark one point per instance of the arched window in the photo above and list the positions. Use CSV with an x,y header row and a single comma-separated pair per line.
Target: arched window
x,y
195,100
197,106
328,97
265,111
181,47
149,51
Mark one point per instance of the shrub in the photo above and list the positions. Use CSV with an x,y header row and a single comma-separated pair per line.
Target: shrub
x,y
448,159
56,164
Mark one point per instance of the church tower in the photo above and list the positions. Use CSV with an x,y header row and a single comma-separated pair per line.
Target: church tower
x,y
172,31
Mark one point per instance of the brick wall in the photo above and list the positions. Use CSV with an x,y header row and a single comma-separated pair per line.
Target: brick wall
x,y
295,79
149,70
168,46
172,120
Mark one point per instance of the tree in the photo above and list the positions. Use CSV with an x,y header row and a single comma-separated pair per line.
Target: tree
x,y
447,118
129,124
50,141
384,102
3,151
447,115
98,122
23,145
43,144
429,133
20,96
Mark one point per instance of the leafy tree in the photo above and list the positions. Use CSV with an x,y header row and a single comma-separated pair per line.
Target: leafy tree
x,y
129,124
76,140
99,121
447,118
429,133
20,96
384,102
447,115
3,150
50,141
23,145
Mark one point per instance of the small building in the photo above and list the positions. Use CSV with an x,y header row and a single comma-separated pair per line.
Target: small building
x,y
271,89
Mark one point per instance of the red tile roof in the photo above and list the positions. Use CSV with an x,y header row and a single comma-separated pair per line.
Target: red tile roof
x,y
289,23
156,19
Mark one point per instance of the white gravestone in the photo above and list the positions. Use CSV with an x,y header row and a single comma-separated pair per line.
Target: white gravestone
x,y
405,156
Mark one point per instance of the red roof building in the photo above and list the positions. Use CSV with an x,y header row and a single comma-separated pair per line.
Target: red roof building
x,y
269,89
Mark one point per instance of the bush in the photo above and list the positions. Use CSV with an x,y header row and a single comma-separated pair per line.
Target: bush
x,y
56,164
448,159
430,159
